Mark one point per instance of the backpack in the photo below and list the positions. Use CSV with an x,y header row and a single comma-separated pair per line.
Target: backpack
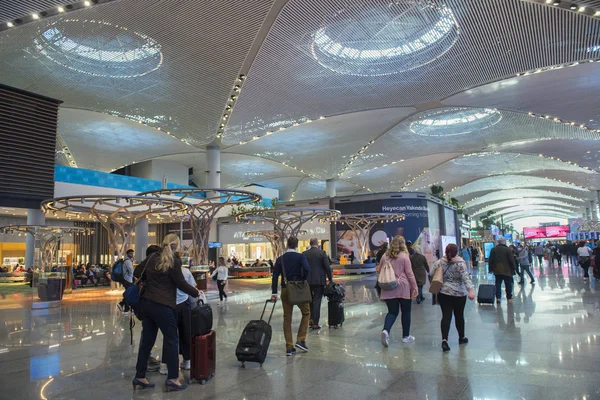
x,y
387,278
116,274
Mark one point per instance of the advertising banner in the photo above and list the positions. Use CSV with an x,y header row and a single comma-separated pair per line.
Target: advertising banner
x,y
559,231
415,227
575,224
535,233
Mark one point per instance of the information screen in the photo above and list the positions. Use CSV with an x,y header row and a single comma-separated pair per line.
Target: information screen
x,y
557,231
535,233
487,248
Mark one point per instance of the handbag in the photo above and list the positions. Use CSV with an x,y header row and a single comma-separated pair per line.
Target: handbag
x,y
298,292
438,280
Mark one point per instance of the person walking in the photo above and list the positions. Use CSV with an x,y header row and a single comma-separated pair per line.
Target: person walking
x,y
296,268
465,253
400,298
524,260
453,295
420,269
222,273
127,278
320,269
583,257
502,265
475,257
539,253
162,277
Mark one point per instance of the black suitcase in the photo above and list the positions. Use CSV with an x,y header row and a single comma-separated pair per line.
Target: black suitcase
x,y
256,337
486,294
202,319
335,313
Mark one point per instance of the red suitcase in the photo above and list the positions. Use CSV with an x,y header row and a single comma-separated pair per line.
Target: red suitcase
x,y
204,355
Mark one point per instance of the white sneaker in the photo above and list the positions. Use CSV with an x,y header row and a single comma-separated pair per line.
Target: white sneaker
x,y
163,370
185,365
408,339
385,338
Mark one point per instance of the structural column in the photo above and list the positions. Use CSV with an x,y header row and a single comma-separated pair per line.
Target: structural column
x,y
213,166
588,214
34,217
330,188
141,238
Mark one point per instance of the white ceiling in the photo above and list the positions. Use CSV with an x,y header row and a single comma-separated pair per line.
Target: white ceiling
x,y
338,89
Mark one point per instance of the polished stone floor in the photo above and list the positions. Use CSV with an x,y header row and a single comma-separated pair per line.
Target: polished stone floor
x,y
545,345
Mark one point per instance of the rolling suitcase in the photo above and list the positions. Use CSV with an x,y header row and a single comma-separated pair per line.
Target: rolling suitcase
x,y
486,294
335,313
256,337
201,319
204,356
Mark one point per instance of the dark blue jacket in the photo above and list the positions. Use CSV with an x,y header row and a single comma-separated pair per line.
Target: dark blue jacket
x,y
296,269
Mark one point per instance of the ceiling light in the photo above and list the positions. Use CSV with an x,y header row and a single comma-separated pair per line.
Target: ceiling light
x,y
573,7
597,13
581,9
556,2
548,1
10,24
35,16
87,3
60,9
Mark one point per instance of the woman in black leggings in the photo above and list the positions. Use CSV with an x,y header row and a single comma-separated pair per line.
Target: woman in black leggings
x,y
453,295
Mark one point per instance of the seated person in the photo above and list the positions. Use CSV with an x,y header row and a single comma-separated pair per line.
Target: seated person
x,y
256,264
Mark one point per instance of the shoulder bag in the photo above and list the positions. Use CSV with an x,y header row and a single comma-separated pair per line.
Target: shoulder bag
x,y
298,292
438,279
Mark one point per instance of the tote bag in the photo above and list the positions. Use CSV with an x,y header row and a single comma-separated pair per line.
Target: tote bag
x,y
387,278
438,280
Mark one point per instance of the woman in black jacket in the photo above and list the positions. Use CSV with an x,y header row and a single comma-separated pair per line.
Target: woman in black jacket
x,y
163,277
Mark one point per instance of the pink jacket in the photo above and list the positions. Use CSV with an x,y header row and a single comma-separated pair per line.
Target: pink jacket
x,y
406,278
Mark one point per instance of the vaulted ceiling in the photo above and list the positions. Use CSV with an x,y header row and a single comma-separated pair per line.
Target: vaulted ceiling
x,y
495,100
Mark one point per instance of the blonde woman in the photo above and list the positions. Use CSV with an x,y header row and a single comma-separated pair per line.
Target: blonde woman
x,y
400,298
163,277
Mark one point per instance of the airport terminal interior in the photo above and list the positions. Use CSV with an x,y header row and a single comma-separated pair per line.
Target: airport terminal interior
x,y
388,141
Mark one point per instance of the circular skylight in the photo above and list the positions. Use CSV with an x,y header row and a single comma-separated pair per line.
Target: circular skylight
x,y
386,38
99,48
455,121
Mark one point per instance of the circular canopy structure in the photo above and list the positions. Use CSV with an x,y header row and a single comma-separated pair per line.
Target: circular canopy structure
x,y
205,203
361,225
48,237
288,221
117,214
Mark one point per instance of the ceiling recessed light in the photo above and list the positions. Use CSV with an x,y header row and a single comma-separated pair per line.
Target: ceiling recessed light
x,y
87,3
35,16
10,24
581,9
60,9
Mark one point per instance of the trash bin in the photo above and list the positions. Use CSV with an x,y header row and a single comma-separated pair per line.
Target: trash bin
x,y
201,280
51,289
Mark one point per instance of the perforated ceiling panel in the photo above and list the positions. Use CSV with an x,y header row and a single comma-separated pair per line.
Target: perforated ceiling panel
x,y
537,213
569,93
529,208
104,143
333,57
477,165
323,147
502,206
502,182
517,195
168,64
457,129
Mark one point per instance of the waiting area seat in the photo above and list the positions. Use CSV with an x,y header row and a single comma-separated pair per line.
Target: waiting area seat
x,y
9,277
260,272
353,269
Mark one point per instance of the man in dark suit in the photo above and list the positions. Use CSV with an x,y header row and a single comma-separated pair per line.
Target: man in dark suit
x,y
319,269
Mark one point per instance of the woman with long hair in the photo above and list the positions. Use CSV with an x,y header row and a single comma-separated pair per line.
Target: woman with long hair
x,y
163,277
398,299
453,294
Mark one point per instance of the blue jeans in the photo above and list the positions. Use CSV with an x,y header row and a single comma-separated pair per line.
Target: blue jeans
x,y
394,307
508,286
158,316
525,268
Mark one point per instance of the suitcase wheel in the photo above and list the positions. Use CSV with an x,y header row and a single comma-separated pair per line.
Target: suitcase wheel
x,y
203,381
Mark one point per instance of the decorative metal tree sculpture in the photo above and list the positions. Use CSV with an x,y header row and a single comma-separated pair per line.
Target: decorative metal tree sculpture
x,y
273,238
361,224
288,221
48,238
117,214
204,205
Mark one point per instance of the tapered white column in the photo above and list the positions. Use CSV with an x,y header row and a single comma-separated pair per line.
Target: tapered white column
x,y
141,238
330,188
213,166
34,217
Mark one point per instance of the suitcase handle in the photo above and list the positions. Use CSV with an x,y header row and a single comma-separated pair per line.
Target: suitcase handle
x,y
265,308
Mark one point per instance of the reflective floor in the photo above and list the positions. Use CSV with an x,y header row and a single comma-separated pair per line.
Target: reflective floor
x,y
545,345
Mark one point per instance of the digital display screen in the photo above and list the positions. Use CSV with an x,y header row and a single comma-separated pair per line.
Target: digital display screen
x,y
557,231
487,248
535,233
215,245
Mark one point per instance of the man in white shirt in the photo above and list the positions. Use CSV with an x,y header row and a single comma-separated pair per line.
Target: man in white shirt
x,y
584,254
